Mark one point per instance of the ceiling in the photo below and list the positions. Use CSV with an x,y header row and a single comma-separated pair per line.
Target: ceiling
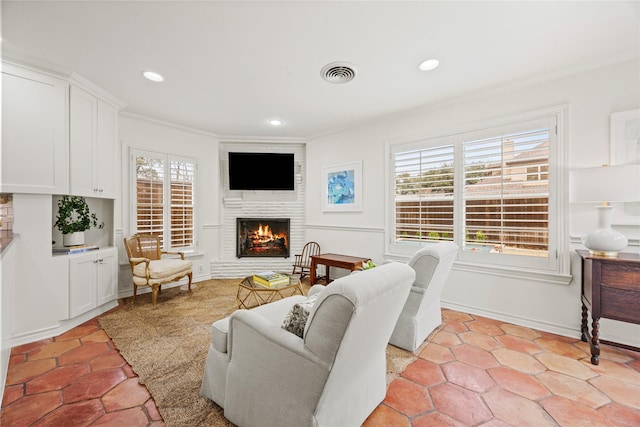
x,y
231,66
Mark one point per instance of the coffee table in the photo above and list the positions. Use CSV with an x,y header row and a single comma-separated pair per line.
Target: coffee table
x,y
334,260
251,295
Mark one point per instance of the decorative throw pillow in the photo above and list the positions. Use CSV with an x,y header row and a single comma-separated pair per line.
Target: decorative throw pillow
x,y
296,319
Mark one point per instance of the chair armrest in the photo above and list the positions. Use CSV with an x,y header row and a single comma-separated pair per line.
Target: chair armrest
x,y
135,261
173,253
244,324
315,289
414,301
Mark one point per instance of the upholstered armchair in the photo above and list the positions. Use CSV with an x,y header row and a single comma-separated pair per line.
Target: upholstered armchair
x,y
149,268
333,375
422,314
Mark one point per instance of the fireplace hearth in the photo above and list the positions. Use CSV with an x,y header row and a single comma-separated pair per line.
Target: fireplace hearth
x,y
262,237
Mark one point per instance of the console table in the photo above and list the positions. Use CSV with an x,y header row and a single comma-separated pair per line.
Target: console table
x,y
610,289
334,260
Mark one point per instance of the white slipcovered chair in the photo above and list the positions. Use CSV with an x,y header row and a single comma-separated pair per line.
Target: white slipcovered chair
x,y
421,314
335,375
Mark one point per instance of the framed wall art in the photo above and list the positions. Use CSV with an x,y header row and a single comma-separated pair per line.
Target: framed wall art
x,y
625,138
342,187
625,149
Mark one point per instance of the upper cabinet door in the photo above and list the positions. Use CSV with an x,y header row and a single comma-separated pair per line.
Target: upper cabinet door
x,y
106,150
93,138
82,141
34,132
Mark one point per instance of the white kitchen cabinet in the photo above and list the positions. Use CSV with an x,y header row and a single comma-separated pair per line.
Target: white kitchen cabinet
x,y
92,141
92,280
34,132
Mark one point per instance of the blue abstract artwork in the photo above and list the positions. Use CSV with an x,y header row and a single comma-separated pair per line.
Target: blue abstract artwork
x,y
341,187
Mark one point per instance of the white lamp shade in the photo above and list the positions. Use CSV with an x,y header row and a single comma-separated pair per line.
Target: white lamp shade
x,y
605,184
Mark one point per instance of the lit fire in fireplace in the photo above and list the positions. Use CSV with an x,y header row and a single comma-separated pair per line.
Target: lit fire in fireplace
x,y
265,237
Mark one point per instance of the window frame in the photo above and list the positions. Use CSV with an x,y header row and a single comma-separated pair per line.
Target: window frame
x,y
553,269
166,204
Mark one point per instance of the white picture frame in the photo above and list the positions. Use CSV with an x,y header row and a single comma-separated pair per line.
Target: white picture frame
x,y
625,138
625,149
342,187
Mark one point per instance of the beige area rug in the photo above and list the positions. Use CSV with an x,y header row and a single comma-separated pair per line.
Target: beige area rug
x,y
167,347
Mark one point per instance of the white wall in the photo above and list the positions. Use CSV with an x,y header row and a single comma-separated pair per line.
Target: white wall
x,y
591,96
142,134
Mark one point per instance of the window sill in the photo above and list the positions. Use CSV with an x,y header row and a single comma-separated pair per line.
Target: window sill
x,y
502,271
517,273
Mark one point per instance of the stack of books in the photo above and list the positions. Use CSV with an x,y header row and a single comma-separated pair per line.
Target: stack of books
x,y
75,249
270,279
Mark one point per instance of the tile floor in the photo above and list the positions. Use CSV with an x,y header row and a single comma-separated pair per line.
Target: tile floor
x,y
474,372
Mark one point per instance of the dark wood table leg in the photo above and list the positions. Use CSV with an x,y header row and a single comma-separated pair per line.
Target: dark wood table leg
x,y
595,341
328,274
312,272
585,324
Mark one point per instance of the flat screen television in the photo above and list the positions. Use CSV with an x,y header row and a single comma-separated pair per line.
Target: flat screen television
x,y
261,171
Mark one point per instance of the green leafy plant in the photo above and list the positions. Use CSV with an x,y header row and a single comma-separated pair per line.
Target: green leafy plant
x,y
74,215
366,265
433,235
480,236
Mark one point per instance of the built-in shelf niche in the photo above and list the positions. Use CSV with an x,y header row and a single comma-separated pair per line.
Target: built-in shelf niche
x,y
103,208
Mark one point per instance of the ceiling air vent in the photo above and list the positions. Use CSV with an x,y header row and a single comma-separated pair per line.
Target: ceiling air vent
x,y
338,72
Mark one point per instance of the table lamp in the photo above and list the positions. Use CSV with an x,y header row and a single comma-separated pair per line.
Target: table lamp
x,y
604,185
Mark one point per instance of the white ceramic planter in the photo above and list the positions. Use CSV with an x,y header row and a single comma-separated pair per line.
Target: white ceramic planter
x,y
73,239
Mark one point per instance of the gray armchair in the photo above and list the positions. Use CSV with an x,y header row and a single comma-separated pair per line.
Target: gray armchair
x,y
263,375
421,314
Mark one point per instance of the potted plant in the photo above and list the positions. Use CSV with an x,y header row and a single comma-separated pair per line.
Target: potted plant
x,y
74,217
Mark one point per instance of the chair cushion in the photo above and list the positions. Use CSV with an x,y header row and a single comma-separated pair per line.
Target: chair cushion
x,y
162,269
296,319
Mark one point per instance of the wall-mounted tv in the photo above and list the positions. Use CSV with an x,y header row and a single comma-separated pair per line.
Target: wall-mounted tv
x,y
261,171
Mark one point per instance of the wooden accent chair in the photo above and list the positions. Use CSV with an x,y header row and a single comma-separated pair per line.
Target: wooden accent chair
x,y
150,269
302,262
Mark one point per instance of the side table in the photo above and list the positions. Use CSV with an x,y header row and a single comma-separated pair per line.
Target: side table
x,y
610,289
334,260
251,295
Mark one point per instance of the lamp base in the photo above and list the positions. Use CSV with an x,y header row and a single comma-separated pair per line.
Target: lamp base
x,y
605,242
604,254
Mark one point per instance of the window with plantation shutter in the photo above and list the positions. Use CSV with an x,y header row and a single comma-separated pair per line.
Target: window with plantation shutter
x,y
164,198
182,177
424,194
490,191
506,193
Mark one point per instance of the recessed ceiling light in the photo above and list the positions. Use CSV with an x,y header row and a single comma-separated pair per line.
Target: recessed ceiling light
x,y
275,122
429,64
153,76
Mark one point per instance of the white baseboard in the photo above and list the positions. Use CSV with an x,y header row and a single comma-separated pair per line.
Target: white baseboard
x,y
61,327
516,320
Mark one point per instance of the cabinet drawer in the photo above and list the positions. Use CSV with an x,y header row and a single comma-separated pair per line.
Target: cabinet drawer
x,y
621,276
620,304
